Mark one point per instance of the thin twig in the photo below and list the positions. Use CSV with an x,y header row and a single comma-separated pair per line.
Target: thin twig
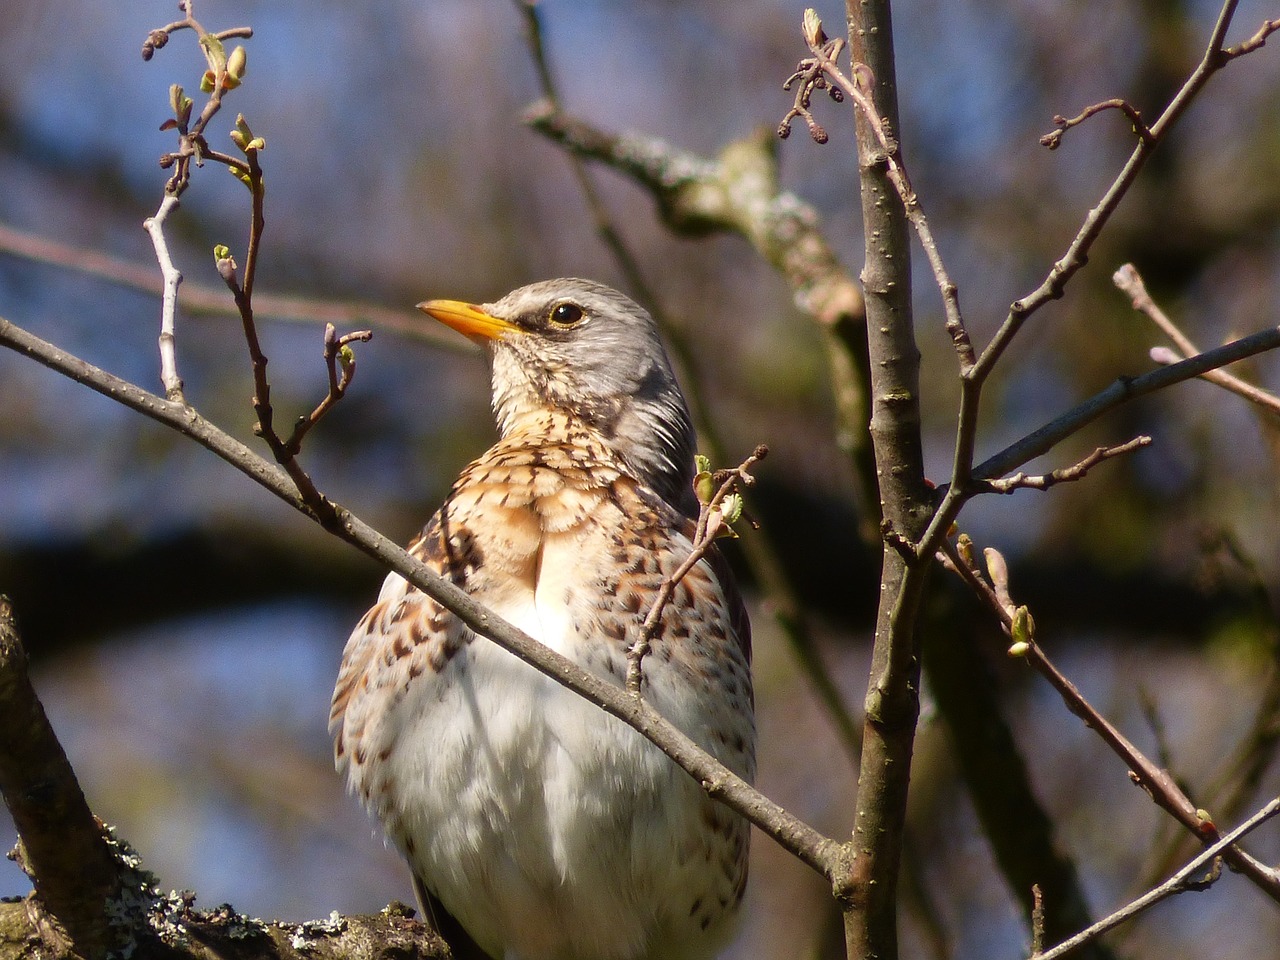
x,y
340,362
1254,42
1156,782
1130,282
1184,880
1054,139
171,278
1077,471
817,72
714,519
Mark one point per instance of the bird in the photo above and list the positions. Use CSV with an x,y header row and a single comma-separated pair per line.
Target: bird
x,y
535,826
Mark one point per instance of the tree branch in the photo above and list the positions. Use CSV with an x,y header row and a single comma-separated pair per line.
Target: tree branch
x,y
63,849
1156,782
892,703
198,299
807,844
1182,881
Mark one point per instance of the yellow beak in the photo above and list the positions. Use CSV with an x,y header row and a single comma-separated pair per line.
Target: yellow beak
x,y
468,319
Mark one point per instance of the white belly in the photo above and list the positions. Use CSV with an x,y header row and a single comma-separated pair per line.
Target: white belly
x,y
519,797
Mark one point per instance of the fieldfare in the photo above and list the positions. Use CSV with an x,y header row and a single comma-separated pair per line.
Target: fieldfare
x,y
538,827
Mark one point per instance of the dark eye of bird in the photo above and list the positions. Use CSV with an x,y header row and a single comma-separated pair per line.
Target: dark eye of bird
x,y
565,314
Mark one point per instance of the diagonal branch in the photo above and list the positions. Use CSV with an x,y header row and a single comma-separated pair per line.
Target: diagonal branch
x,y
1156,782
198,299
1184,880
802,840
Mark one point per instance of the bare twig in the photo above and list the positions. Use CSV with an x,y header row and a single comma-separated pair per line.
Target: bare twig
x,y
1077,471
1051,288
1188,878
172,277
340,361
821,71
715,515
1129,282
1156,782
811,847
1254,42
1054,139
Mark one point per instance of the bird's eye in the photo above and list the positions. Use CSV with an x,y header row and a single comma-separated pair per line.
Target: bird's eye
x,y
565,314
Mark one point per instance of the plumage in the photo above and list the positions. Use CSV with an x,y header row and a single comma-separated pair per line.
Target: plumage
x,y
547,829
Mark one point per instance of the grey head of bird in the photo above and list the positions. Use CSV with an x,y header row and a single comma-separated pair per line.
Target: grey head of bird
x,y
590,351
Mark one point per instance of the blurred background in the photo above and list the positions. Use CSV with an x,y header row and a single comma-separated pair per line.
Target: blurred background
x,y
185,627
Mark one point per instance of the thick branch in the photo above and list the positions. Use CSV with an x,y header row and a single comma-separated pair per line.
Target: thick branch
x,y
892,704
62,849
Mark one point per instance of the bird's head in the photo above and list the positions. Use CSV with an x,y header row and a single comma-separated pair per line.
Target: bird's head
x,y
584,348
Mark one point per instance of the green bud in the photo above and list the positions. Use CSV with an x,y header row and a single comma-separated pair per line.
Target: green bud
x,y
346,357
731,507
236,64
1024,627
221,252
811,27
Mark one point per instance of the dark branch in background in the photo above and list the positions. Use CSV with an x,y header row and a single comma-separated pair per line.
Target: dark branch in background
x,y
205,300
739,193
1122,391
